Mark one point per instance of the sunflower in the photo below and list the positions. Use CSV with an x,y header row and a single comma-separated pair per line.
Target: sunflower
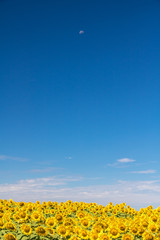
x,y
52,211
74,238
141,230
134,229
148,236
158,227
80,215
29,208
158,235
97,229
16,217
104,224
36,216
26,229
122,227
68,222
70,230
41,231
154,218
152,228
62,231
84,234
46,211
10,226
9,236
1,223
11,201
21,204
85,223
114,232
77,230
59,218
73,209
50,222
127,236
103,236
144,223
51,231
23,216
93,235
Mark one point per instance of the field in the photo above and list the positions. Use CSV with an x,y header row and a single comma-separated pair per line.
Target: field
x,y
77,220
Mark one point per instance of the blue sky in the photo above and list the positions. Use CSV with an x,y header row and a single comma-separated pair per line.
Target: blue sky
x,y
80,100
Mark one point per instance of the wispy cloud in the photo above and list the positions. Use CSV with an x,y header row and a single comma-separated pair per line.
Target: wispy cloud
x,y
5,157
137,194
125,160
145,171
120,163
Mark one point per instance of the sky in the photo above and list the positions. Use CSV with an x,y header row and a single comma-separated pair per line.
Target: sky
x,y
80,101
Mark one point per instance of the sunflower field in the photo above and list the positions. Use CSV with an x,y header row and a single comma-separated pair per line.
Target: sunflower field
x,y
76,221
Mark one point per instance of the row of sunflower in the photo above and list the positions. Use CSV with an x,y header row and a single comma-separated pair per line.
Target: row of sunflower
x,y
76,221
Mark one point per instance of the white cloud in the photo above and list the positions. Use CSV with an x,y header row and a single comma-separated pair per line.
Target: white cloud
x,y
68,158
137,194
5,157
125,160
81,32
145,171
119,163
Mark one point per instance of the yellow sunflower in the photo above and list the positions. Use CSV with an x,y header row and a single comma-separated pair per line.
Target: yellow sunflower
x,y
59,218
1,223
103,236
70,230
158,235
77,230
36,216
122,227
114,232
133,229
74,238
148,236
97,229
144,223
62,231
41,231
93,235
9,236
50,222
141,230
16,217
22,214
50,231
11,201
127,236
10,226
85,222
68,222
152,228
26,229
52,211
80,215
154,218
84,234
